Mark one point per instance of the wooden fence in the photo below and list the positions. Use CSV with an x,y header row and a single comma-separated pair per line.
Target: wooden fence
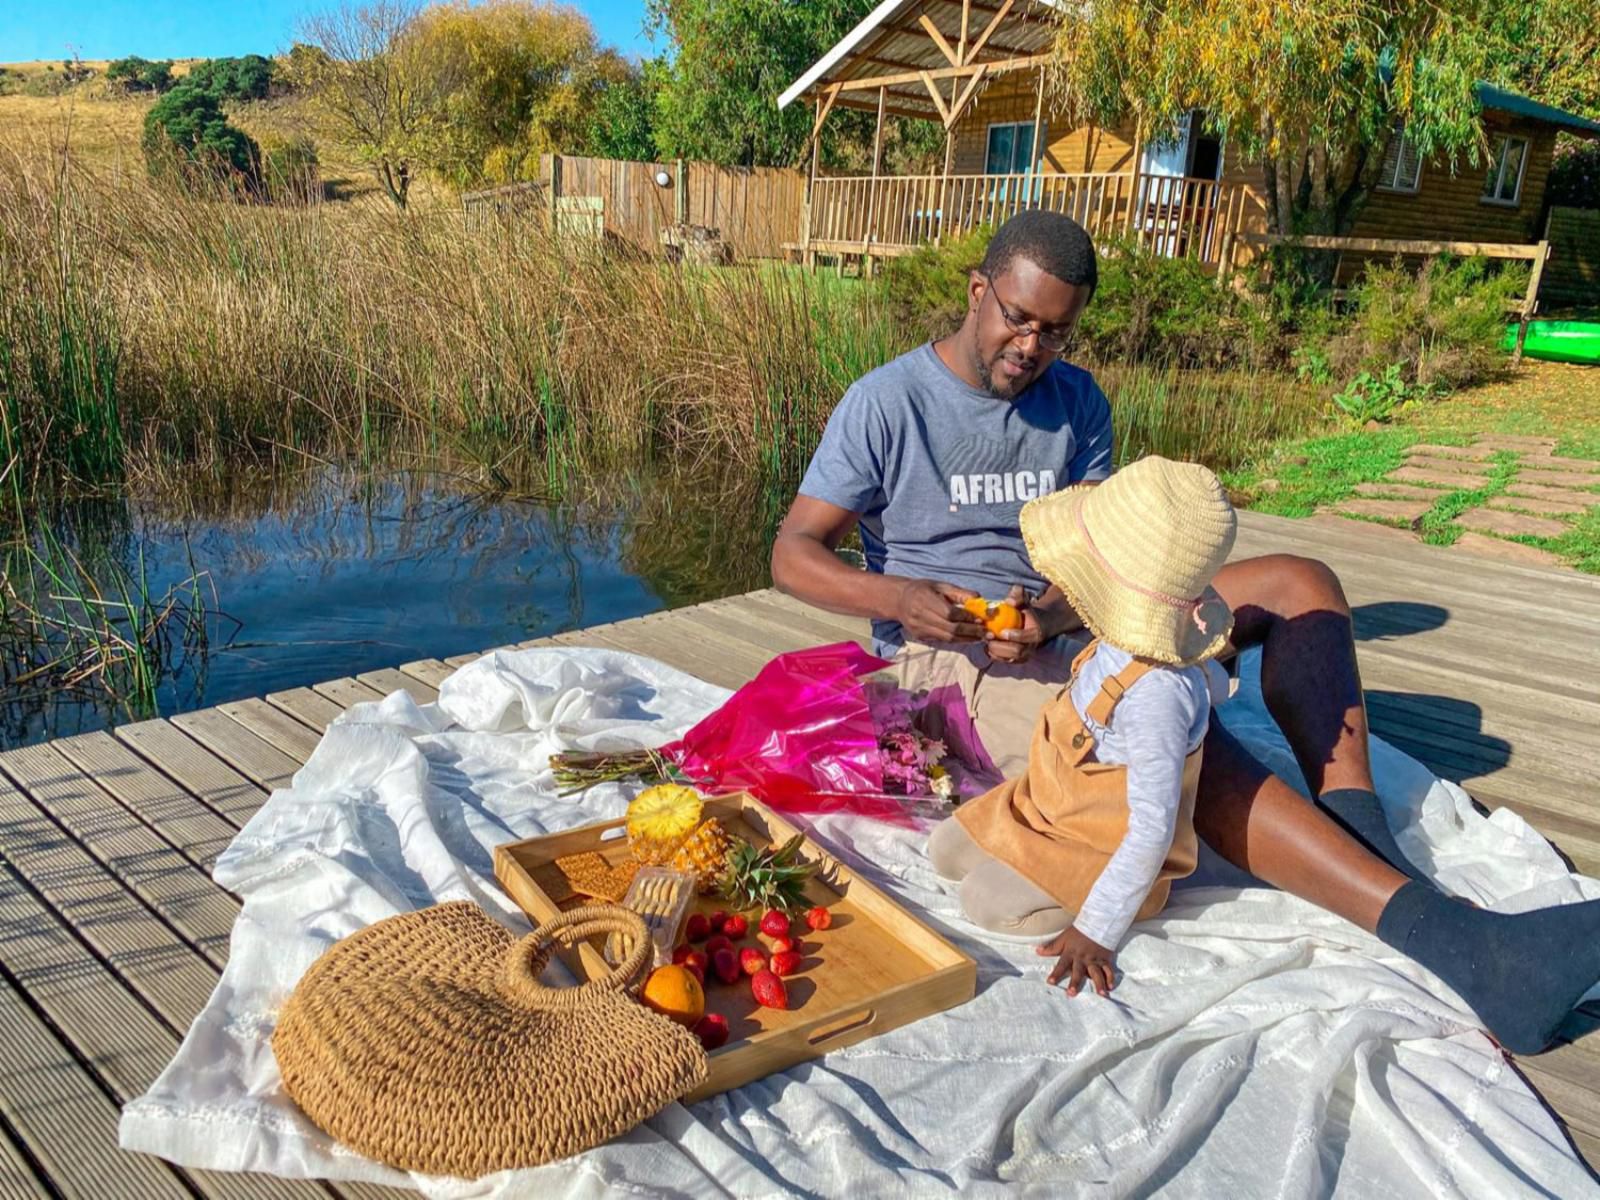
x,y
755,209
1176,216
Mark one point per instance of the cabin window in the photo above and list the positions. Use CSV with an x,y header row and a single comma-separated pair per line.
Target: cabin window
x,y
1402,165
1010,149
1503,184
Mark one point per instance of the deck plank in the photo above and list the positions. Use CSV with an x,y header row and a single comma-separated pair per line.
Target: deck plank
x,y
281,730
66,1122
430,670
194,830
239,748
392,679
222,789
108,869
116,1040
304,705
346,692
19,1179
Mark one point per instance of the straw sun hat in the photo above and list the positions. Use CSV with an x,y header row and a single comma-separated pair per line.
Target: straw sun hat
x,y
1136,555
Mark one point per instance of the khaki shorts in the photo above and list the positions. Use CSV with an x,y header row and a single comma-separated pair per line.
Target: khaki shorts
x,y
1004,699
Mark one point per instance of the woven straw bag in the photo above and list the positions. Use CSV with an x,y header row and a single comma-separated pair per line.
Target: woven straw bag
x,y
427,1042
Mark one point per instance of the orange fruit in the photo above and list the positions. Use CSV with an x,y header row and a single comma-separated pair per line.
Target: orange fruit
x,y
1003,617
997,616
674,992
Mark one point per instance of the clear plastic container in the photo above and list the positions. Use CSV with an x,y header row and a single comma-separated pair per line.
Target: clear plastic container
x,y
662,897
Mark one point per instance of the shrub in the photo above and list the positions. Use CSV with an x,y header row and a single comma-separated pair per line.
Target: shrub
x,y
289,172
1575,174
1150,307
135,74
187,132
247,78
1442,325
927,290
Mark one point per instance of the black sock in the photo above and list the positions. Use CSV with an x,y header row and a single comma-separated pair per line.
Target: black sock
x,y
1522,974
1360,814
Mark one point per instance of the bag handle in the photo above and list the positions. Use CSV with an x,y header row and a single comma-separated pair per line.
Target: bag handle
x,y
527,959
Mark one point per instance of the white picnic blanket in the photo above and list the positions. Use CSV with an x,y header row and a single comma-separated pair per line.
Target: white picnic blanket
x,y
1256,1045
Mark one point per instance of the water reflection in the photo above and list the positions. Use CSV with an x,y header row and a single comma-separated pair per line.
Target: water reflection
x,y
330,571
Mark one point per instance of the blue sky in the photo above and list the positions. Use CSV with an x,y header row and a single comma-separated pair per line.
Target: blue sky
x,y
31,29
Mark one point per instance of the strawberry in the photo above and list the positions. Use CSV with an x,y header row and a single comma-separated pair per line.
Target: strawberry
x,y
768,990
696,966
698,928
787,963
735,927
712,1030
725,965
682,952
718,920
782,945
775,924
819,917
752,960
717,941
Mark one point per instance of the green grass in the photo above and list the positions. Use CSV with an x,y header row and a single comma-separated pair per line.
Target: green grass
x,y
1438,527
1296,478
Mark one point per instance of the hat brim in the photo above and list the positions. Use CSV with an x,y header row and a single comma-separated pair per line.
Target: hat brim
x,y
1114,612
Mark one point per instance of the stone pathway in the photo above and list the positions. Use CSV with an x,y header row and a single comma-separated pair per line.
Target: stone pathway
x,y
1546,493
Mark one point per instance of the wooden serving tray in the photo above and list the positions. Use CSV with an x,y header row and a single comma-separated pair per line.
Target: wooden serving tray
x,y
876,968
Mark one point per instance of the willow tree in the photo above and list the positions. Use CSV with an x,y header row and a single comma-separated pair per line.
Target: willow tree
x,y
1311,92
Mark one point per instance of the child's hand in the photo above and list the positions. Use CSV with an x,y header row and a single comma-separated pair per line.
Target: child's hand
x,y
1084,959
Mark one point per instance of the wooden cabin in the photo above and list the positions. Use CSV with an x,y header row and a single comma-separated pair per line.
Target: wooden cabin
x,y
977,68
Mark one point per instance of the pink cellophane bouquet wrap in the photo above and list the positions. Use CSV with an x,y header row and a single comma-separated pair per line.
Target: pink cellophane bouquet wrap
x,y
814,732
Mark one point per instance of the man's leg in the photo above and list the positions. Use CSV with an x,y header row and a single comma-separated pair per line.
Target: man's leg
x,y
1295,610
1522,974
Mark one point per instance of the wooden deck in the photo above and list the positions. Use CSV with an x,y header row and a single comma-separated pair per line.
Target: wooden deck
x,y
114,933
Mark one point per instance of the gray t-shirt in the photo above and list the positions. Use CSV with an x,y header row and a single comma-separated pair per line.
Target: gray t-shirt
x,y
939,470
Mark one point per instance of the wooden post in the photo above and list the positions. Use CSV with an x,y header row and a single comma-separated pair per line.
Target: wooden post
x,y
1036,167
555,190
680,192
808,256
1530,302
872,198
1138,149
944,184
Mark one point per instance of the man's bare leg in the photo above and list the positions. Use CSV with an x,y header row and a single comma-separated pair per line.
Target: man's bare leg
x,y
1295,610
1258,822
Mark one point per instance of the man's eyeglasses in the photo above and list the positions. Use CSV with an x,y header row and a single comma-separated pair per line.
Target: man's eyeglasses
x,y
1050,341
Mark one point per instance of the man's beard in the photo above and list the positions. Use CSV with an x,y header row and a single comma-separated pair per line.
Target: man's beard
x,y
1005,388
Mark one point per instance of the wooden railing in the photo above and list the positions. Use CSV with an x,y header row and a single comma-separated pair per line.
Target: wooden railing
x,y
1175,216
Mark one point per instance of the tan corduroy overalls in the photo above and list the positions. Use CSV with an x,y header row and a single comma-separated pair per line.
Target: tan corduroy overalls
x,y
1059,823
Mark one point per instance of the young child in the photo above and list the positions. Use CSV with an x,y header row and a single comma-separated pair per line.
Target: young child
x,y
1088,839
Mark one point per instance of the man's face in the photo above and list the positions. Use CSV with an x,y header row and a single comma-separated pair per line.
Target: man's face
x,y
1022,296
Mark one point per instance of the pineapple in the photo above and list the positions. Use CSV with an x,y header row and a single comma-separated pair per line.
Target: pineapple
x,y
704,854
766,878
659,819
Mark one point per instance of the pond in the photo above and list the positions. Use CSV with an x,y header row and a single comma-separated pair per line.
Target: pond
x,y
280,582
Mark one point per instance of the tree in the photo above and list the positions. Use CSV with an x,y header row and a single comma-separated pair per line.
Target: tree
x,y
137,74
526,75
374,82
246,78
732,60
622,121
186,131
1311,92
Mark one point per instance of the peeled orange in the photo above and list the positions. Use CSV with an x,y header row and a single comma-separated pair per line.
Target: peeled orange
x,y
674,992
997,616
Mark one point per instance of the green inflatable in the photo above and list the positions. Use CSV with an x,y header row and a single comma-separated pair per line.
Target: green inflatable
x,y
1559,341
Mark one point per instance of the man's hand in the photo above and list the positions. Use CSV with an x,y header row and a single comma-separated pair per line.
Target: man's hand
x,y
1084,960
1017,645
930,611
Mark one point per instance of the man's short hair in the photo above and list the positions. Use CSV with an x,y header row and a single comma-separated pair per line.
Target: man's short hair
x,y
1054,243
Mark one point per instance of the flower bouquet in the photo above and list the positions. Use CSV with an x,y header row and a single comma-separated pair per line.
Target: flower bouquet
x,y
816,731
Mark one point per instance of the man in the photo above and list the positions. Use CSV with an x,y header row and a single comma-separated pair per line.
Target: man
x,y
932,457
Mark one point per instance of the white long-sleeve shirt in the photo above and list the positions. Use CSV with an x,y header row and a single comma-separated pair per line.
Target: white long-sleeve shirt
x,y
1156,725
